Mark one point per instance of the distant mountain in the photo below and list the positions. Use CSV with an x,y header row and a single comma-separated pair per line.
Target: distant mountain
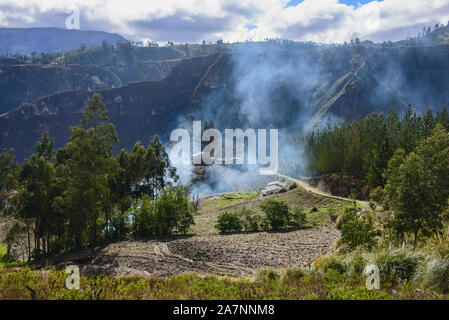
x,y
28,40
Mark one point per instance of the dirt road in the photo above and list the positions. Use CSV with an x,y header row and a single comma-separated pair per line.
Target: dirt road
x,y
316,191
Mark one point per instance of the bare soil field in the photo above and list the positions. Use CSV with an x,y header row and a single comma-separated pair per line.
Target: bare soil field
x,y
236,255
208,252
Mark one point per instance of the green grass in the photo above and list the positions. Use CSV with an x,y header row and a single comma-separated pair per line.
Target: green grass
x,y
320,216
2,254
209,211
234,198
292,284
4,260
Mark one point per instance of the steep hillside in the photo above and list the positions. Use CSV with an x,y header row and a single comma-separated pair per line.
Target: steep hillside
x,y
137,63
26,83
28,40
342,81
139,110
280,89
129,63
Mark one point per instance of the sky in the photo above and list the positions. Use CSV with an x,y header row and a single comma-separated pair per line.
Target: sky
x,y
192,21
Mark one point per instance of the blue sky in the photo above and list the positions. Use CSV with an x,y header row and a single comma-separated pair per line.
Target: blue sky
x,y
235,20
293,3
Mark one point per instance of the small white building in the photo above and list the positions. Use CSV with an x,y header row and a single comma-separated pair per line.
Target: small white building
x,y
272,188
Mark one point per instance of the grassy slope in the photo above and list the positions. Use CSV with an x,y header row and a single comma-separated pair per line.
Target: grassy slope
x,y
211,209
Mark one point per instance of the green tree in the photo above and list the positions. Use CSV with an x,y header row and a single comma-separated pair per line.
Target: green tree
x,y
45,147
276,212
89,162
158,172
418,186
229,222
8,175
356,230
170,213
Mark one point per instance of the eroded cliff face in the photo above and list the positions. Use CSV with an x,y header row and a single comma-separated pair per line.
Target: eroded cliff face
x,y
138,110
26,83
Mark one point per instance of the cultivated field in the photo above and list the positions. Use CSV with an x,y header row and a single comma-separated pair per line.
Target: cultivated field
x,y
207,252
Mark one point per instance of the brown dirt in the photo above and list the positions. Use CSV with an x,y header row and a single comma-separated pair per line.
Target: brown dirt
x,y
237,255
207,252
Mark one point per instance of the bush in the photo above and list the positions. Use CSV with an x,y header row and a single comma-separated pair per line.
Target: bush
x,y
276,213
120,225
170,213
333,215
333,263
251,222
229,222
438,274
267,276
293,186
298,217
356,230
293,275
397,266
358,262
282,190
144,217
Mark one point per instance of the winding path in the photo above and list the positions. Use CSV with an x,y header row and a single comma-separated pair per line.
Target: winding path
x,y
309,188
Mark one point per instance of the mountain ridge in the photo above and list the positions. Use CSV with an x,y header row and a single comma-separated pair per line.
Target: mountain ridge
x,y
47,39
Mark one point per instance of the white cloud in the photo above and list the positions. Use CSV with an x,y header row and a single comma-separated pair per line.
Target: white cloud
x,y
195,20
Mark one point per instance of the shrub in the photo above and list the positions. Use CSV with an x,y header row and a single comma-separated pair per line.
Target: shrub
x,y
229,222
170,213
120,225
397,266
356,230
358,262
298,217
267,276
251,221
276,213
438,274
293,275
293,186
144,218
282,190
333,215
334,263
